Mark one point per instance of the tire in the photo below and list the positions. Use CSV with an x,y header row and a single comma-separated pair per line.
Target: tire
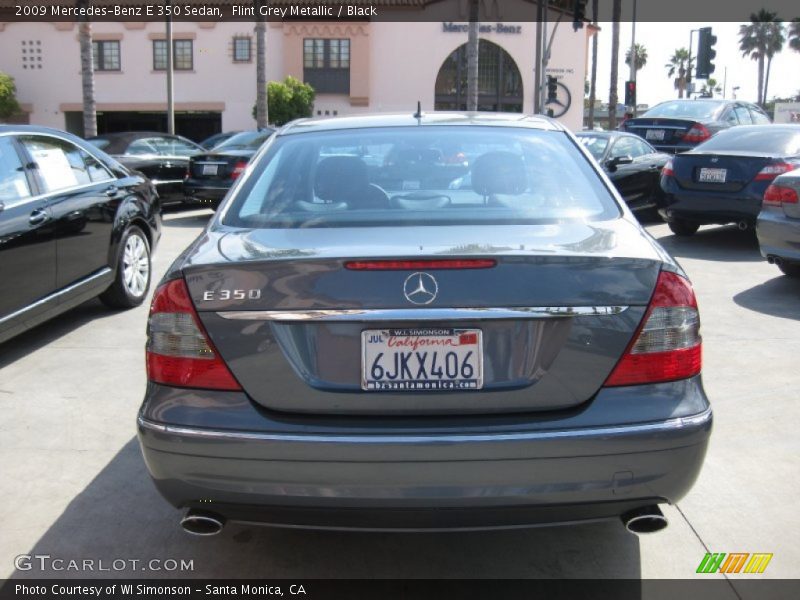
x,y
134,271
683,228
790,269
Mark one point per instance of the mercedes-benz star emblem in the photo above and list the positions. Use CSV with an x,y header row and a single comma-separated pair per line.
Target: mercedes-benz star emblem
x,y
420,288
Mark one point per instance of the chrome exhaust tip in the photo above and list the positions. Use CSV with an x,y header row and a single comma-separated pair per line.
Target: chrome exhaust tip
x,y
647,519
743,225
771,259
200,523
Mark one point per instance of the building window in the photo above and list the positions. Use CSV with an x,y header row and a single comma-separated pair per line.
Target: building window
x,y
182,54
326,65
241,49
105,56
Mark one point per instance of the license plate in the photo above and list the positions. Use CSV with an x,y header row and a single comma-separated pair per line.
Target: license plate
x,y
421,360
654,134
712,175
209,169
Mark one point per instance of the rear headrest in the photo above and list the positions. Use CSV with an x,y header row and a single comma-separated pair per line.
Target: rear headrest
x,y
340,177
499,173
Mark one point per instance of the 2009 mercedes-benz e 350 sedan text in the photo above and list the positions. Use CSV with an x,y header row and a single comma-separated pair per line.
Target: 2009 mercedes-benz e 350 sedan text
x,y
421,322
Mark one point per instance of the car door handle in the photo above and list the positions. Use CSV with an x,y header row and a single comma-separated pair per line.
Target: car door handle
x,y
112,191
38,217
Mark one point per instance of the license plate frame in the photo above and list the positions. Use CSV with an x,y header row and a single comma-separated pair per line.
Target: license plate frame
x,y
656,135
427,347
210,169
712,175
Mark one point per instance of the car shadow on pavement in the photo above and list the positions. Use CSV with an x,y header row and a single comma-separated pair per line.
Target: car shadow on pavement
x,y
119,515
53,329
777,297
726,244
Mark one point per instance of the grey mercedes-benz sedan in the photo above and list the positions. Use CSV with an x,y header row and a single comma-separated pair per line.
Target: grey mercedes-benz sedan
x,y
426,321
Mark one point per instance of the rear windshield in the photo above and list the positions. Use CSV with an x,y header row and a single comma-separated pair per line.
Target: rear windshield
x,y
420,176
248,140
691,109
767,139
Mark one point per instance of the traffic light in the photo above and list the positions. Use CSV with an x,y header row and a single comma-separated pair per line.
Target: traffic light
x,y
705,53
630,93
552,88
579,14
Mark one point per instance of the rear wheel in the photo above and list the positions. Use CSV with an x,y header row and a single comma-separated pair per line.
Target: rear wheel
x,y
685,228
790,269
133,271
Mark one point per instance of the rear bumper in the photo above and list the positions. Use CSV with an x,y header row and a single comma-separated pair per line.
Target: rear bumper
x,y
707,209
200,191
778,235
513,474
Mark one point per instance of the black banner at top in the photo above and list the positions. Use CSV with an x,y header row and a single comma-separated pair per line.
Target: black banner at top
x,y
497,11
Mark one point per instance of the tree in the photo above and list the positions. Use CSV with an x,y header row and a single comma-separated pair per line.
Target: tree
x,y
710,88
262,109
288,100
593,81
761,40
472,56
680,64
8,96
641,57
612,95
794,34
87,71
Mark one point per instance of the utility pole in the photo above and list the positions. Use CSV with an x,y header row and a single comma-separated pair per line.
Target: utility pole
x,y
538,80
633,54
170,86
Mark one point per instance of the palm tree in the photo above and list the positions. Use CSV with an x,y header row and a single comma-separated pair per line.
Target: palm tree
x,y
761,40
641,57
710,88
616,13
87,71
472,57
593,81
680,64
794,34
262,113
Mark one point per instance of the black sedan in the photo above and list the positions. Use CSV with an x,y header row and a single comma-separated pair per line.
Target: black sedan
x,y
724,180
74,224
212,174
632,164
162,157
680,125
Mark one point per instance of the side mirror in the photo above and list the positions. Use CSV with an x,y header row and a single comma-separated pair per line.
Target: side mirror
x,y
613,163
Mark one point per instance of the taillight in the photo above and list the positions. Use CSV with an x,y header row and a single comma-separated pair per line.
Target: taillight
x,y
777,195
238,169
698,133
667,346
770,172
667,170
179,352
408,265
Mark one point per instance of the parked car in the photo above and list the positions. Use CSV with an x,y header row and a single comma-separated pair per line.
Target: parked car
x,y
359,346
74,224
680,125
217,139
210,175
778,226
632,164
724,179
163,158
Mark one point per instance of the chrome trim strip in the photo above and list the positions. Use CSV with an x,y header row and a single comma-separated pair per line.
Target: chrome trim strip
x,y
55,295
670,425
422,314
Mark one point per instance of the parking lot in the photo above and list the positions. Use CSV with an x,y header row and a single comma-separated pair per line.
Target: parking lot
x,y
75,486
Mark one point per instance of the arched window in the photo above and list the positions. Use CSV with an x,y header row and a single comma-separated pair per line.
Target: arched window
x,y
499,80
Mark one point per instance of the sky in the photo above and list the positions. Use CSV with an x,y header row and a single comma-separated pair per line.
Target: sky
x,y
662,39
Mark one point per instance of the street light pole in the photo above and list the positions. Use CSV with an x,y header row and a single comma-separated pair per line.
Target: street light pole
x,y
170,86
633,54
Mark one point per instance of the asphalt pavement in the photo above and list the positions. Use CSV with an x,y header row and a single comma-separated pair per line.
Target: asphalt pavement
x,y
74,486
